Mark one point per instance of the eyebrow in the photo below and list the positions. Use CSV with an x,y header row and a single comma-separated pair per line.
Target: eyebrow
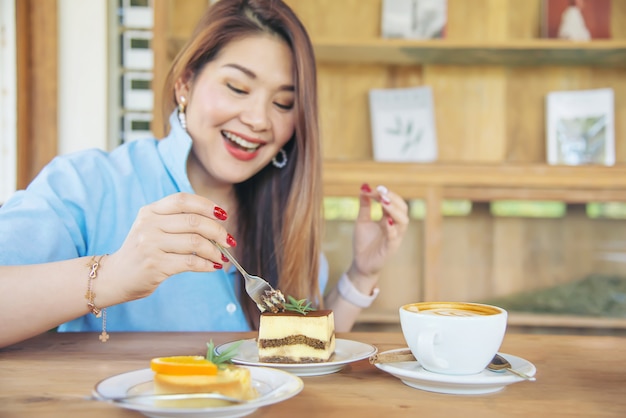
x,y
253,75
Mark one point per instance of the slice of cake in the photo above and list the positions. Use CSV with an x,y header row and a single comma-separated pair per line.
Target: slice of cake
x,y
233,381
296,337
197,374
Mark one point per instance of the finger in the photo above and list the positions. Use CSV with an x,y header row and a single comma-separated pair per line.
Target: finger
x,y
365,206
189,203
191,244
178,223
183,223
178,263
396,210
383,194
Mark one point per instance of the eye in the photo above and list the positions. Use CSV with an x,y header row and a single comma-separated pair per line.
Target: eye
x,y
284,106
235,89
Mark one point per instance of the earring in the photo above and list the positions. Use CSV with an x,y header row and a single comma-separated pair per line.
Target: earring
x,y
182,106
282,161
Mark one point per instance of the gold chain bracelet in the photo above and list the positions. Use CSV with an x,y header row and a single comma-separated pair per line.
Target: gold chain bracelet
x,y
94,265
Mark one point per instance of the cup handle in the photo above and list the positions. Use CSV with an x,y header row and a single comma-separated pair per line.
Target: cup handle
x,y
426,350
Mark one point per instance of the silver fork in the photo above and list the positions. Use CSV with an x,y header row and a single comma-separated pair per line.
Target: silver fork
x,y
260,291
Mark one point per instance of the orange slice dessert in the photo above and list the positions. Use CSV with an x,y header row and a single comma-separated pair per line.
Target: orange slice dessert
x,y
196,374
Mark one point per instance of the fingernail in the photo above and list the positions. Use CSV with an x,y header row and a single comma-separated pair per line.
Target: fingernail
x,y
385,200
231,241
366,188
382,189
220,213
224,258
217,266
390,221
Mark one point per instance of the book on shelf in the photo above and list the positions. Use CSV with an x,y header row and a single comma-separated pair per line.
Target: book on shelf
x,y
403,124
580,127
576,20
414,19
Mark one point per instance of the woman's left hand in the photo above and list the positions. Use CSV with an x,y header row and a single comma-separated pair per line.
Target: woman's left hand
x,y
376,240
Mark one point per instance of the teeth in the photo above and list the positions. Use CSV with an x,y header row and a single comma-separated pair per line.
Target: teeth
x,y
250,146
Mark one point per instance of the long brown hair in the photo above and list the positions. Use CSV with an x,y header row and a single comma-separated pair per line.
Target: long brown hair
x,y
279,210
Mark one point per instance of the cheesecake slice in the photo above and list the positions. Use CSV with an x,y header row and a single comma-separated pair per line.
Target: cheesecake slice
x,y
293,337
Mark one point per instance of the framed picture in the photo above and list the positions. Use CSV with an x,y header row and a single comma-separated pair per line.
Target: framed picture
x,y
414,19
403,124
580,127
576,20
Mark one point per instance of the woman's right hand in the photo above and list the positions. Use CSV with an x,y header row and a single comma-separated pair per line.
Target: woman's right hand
x,y
169,236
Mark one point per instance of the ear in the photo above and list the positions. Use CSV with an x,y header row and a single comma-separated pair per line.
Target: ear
x,y
181,89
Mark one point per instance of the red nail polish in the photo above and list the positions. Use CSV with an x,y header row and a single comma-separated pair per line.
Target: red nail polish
x,y
366,188
224,258
231,241
217,266
220,213
385,200
390,221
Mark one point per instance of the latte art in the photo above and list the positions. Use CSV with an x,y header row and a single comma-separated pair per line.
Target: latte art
x,y
451,312
451,309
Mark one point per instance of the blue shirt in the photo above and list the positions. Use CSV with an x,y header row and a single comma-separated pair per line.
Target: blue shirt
x,y
85,203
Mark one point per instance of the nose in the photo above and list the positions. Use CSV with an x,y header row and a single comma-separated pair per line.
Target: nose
x,y
256,116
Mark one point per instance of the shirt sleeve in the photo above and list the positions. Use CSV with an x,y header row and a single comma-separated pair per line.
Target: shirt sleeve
x,y
47,221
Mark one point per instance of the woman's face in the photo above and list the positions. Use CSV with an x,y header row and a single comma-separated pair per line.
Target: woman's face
x,y
240,109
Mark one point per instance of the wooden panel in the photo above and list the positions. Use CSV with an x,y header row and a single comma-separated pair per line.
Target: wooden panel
x,y
467,251
523,19
469,112
478,20
486,256
350,174
344,106
464,52
345,19
174,21
403,272
618,11
36,31
433,241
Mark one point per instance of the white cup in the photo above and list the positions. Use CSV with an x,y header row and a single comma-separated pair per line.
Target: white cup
x,y
454,338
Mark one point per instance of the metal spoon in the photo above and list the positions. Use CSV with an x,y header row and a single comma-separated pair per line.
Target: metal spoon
x,y
500,364
175,397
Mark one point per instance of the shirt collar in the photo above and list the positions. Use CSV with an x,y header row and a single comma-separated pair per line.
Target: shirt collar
x,y
174,150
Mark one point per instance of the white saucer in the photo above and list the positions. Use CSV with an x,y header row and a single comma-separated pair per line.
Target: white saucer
x,y
346,351
272,386
412,374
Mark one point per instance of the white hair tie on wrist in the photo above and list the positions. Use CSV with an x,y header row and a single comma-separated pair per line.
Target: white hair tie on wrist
x,y
350,293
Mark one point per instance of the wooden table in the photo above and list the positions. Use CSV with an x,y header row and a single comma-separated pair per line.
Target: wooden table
x,y
53,375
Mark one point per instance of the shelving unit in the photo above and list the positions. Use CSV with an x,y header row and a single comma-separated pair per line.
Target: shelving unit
x,y
489,78
445,52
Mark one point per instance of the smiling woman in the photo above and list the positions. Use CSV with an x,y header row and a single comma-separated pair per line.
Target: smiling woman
x,y
239,166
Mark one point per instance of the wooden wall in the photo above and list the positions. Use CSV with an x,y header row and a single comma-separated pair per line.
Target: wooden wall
x,y
485,114
36,34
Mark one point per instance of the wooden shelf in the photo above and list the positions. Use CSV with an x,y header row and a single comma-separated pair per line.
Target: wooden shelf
x,y
511,53
480,182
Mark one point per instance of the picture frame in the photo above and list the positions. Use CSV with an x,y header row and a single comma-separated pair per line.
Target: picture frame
x,y
403,124
414,19
576,20
580,127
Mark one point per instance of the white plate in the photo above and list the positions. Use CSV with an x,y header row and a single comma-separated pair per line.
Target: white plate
x,y
346,351
272,385
412,374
